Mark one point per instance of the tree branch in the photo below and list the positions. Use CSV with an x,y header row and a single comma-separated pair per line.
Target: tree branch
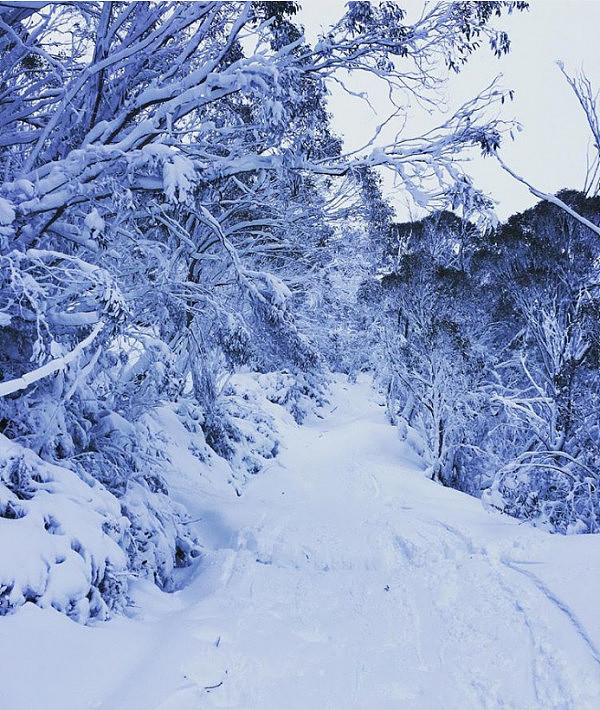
x,y
56,365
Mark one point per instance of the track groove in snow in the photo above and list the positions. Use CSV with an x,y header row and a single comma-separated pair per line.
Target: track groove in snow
x,y
343,579
559,604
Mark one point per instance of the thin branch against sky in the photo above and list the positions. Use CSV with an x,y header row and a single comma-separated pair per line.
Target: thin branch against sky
x,y
553,144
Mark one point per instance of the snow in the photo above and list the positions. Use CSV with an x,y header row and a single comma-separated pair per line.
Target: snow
x,y
94,222
340,578
59,536
178,171
7,212
179,178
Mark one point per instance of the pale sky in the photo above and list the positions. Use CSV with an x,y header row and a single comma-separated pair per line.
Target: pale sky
x,y
551,150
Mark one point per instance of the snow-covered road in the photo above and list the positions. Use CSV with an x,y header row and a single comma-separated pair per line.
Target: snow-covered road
x,y
340,579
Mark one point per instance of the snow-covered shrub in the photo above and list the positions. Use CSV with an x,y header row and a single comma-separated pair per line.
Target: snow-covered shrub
x,y
239,426
247,408
157,540
546,491
300,393
61,538
129,459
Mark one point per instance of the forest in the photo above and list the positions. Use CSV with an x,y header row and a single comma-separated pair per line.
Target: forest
x,y
176,209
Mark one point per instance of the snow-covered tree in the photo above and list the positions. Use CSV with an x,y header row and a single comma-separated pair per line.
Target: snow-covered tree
x,y
548,384
433,343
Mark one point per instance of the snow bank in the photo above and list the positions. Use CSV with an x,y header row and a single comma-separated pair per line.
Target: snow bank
x,y
73,543
61,538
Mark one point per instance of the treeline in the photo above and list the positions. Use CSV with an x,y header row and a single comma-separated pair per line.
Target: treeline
x,y
489,345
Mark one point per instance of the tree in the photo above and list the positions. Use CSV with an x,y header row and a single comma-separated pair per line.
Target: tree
x,y
548,386
433,343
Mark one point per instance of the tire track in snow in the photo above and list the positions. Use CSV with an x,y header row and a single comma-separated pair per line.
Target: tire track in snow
x,y
539,656
550,678
558,603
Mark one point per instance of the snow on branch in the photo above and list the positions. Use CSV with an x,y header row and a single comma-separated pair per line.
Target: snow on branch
x,y
553,199
56,365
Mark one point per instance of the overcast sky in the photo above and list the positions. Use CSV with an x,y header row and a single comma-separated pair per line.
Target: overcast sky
x,y
551,149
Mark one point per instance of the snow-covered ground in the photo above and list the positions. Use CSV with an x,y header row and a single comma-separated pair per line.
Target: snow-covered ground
x,y
341,578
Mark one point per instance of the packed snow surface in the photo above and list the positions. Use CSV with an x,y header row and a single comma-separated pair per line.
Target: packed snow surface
x,y
340,578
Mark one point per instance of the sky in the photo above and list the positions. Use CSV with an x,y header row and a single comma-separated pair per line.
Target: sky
x,y
551,149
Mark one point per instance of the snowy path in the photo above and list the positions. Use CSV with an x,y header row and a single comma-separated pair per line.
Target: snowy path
x,y
341,579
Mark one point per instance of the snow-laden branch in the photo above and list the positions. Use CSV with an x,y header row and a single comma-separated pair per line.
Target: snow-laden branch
x,y
553,199
56,365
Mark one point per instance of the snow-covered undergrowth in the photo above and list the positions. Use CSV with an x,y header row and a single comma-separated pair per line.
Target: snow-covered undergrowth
x,y
62,539
70,543
340,578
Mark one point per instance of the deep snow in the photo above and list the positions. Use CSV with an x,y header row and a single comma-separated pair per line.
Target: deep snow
x,y
340,578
